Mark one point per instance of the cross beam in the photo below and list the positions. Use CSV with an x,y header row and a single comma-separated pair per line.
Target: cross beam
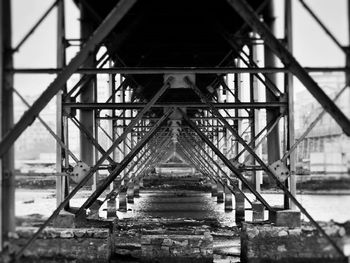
x,y
113,18
247,13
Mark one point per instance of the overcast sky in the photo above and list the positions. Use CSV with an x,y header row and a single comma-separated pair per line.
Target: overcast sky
x,y
311,46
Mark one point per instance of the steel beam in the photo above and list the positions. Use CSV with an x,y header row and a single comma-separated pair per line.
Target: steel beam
x,y
225,160
89,137
257,158
173,70
116,106
7,177
114,17
106,182
95,168
35,26
215,163
246,12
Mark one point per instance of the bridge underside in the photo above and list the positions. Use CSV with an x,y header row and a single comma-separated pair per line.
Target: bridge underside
x,y
193,79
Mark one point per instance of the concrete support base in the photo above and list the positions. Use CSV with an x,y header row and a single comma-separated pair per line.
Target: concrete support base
x,y
258,211
122,202
240,208
136,189
288,218
111,208
214,189
261,243
220,194
130,194
141,182
64,220
228,200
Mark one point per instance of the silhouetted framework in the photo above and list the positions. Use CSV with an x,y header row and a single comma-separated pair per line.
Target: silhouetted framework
x,y
198,82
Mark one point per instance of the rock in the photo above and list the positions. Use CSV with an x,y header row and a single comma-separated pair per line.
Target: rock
x,y
167,242
67,234
281,248
79,233
252,232
282,233
295,232
101,234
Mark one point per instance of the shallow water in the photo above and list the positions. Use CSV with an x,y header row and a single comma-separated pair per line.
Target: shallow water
x,y
185,204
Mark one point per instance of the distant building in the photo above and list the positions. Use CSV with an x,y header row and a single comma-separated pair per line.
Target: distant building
x,y
325,149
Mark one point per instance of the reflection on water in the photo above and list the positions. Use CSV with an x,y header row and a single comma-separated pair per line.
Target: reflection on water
x,y
185,204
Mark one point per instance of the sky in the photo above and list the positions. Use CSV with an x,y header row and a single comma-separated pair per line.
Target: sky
x,y
311,46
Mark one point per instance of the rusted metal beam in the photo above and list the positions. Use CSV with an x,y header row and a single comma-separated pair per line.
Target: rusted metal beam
x,y
246,12
114,17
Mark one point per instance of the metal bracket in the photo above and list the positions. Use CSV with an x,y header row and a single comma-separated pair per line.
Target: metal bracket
x,y
280,170
79,171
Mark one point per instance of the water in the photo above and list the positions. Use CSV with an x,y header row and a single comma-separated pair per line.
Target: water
x,y
185,204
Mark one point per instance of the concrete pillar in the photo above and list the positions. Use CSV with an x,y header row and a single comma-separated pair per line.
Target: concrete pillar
x,y
214,189
123,207
240,209
94,209
130,193
136,188
228,199
87,96
111,208
258,211
141,182
220,194
7,179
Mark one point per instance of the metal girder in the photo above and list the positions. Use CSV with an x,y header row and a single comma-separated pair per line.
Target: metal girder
x,y
246,12
258,159
106,182
268,129
311,126
225,160
155,119
116,106
137,162
267,82
325,29
172,70
35,26
215,163
113,18
47,127
91,138
138,117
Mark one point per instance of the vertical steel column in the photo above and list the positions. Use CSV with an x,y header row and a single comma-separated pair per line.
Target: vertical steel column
x,y
112,86
257,58
87,95
273,139
290,93
61,182
7,180
347,73
254,127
